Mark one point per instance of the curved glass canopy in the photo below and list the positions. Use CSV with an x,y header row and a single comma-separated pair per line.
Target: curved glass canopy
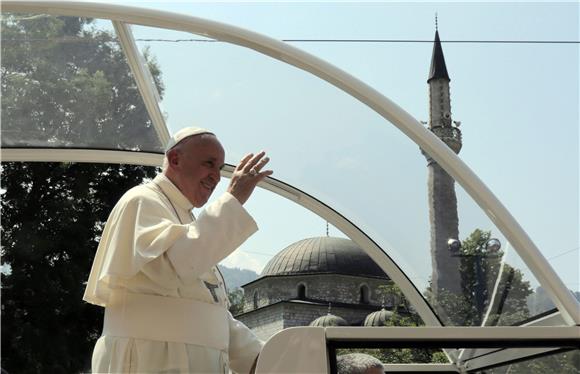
x,y
84,116
353,161
324,143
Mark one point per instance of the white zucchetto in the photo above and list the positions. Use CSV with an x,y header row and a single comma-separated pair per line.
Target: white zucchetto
x,y
184,133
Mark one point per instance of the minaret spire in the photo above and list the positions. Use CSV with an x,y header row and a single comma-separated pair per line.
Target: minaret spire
x,y
443,216
438,67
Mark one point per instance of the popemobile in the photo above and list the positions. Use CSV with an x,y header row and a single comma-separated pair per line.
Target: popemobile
x,y
82,86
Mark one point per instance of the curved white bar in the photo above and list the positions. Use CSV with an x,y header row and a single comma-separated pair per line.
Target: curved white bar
x,y
270,184
144,80
81,155
304,350
501,217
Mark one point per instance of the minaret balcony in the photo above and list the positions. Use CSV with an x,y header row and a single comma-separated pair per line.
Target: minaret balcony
x,y
450,135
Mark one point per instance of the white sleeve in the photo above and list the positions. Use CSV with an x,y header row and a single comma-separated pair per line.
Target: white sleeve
x,y
244,347
222,227
140,229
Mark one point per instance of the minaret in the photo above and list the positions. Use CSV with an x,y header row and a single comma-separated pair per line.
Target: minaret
x,y
442,199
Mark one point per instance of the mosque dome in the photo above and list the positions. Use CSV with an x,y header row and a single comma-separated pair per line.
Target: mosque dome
x,y
329,320
378,318
323,255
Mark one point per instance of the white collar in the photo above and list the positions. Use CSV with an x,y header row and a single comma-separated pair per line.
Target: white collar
x,y
172,192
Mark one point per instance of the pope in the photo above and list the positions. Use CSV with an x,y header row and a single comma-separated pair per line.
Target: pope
x,y
155,270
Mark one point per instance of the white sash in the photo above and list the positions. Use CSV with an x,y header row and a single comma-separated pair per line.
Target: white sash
x,y
169,319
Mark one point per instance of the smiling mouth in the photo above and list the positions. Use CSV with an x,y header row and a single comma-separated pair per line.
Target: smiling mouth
x,y
209,186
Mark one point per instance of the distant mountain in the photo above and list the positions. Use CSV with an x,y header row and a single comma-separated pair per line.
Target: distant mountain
x,y
236,277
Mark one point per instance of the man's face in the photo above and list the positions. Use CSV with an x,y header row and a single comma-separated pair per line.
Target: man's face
x,y
198,167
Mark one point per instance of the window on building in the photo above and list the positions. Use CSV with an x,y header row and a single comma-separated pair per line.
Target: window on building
x,y
255,299
364,294
302,291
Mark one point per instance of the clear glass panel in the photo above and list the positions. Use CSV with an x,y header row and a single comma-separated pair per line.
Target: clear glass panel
x,y
561,362
66,84
331,146
274,234
296,275
395,355
495,287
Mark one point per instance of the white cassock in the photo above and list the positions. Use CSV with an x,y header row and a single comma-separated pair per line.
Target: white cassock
x,y
165,302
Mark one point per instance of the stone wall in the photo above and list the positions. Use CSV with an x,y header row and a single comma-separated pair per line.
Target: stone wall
x,y
332,288
265,322
296,314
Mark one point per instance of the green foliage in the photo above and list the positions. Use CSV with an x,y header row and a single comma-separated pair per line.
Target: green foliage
x,y
236,298
66,83
567,362
52,217
403,315
510,304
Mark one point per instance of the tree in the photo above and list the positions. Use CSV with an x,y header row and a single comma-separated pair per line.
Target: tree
x,y
402,315
66,82
236,298
567,362
510,305
469,307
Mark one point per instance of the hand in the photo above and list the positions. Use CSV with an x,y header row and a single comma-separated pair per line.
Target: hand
x,y
247,175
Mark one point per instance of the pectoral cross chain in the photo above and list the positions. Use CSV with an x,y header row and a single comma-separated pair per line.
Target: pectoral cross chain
x,y
212,287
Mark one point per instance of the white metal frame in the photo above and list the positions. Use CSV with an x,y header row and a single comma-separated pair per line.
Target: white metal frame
x,y
474,358
80,155
530,254
286,351
353,232
453,333
270,184
499,357
481,335
144,79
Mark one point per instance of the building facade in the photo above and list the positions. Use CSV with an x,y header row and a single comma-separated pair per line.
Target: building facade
x,y
313,278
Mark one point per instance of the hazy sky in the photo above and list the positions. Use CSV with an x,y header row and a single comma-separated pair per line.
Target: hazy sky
x,y
517,102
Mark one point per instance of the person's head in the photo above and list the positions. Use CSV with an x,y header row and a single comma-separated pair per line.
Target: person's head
x,y
358,363
193,160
